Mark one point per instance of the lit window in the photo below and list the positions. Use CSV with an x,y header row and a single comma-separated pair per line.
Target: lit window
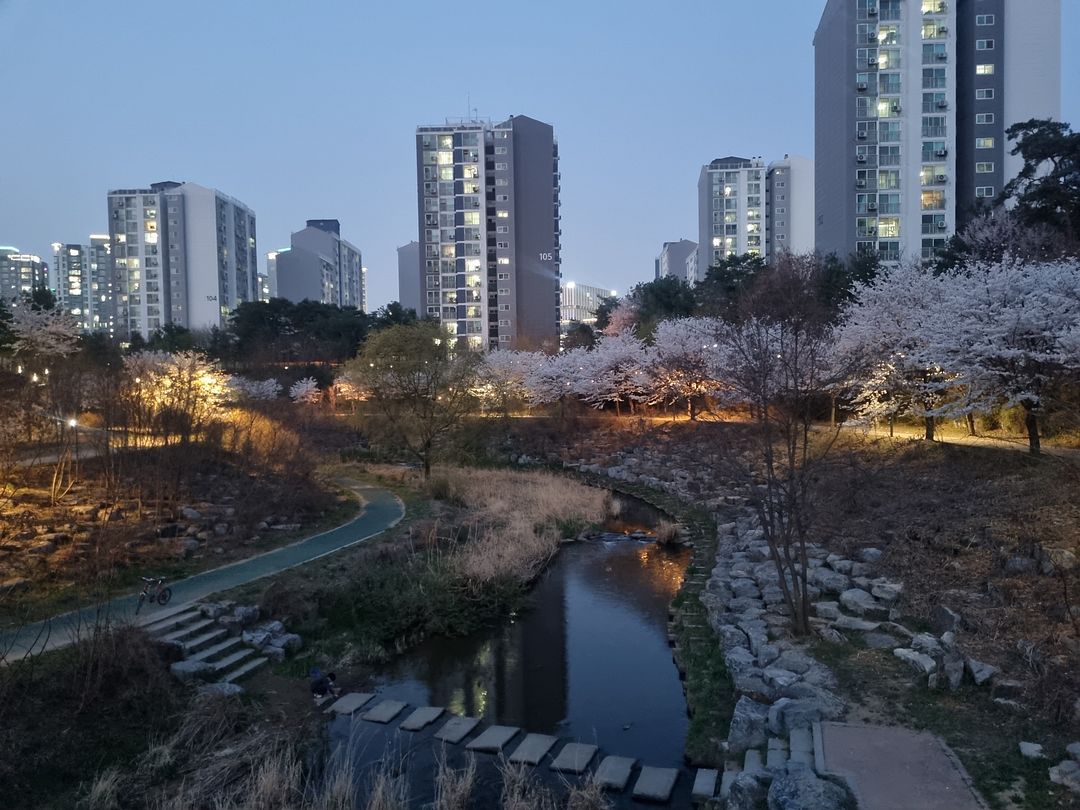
x,y
984,168
984,94
984,118
984,44
984,70
984,192
502,214
984,143
504,260
446,158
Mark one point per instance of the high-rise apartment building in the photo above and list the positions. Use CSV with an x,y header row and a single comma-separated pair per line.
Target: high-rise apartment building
x,y
672,260
488,209
410,274
912,100
20,273
84,283
746,207
789,213
320,266
182,254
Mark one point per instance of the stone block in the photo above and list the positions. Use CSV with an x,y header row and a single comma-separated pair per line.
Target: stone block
x,y
655,784
347,704
421,718
704,784
456,729
919,661
493,739
574,758
748,723
533,749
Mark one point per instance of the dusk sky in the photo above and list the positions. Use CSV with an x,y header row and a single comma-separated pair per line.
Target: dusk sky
x,y
306,110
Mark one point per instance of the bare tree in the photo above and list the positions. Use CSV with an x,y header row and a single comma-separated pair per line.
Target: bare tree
x,y
778,359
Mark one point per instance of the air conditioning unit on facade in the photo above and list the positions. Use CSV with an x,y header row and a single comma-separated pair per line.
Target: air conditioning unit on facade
x,y
861,86
942,153
871,207
860,158
861,134
860,184
942,57
942,225
872,11
941,178
943,105
872,62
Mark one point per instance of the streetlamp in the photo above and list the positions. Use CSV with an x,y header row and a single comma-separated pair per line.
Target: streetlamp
x,y
73,423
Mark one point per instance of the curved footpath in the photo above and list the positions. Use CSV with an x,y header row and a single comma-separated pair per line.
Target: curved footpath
x,y
381,510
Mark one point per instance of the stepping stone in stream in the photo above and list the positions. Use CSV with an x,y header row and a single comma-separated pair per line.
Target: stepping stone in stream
x,y
704,784
347,704
614,772
421,718
456,729
532,749
494,739
384,712
574,758
655,784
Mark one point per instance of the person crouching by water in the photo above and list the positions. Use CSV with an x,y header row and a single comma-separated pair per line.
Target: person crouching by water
x,y
323,685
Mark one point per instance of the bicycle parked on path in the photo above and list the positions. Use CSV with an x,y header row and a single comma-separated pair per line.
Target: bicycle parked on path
x,y
154,590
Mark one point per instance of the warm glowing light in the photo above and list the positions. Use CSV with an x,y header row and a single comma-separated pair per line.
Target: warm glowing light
x,y
72,422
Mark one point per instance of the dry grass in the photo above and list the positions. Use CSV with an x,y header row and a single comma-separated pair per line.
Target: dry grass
x,y
521,517
520,791
667,533
453,788
104,792
388,791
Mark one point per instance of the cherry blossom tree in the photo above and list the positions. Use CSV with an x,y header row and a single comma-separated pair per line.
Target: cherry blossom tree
x,y
1010,331
43,334
622,319
682,362
503,378
306,392
613,372
261,390
885,336
552,378
175,394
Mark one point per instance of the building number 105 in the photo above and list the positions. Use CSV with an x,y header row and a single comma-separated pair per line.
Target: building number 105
x,y
545,257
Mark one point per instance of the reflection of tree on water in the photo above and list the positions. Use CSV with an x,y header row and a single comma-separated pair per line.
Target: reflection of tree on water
x,y
642,576
519,674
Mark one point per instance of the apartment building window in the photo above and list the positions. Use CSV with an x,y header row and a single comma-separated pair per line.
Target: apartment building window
x,y
501,214
984,192
984,118
889,227
888,179
889,251
932,53
500,167
984,94
504,277
984,70
933,223
889,131
933,102
889,84
984,143
984,168
865,107
888,203
933,150
504,260
502,245
984,19
933,78
500,150
984,44
501,181
889,9
502,229
933,126
931,200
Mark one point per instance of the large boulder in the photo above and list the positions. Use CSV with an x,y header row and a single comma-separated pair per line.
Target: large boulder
x,y
191,670
829,581
802,706
923,663
800,789
943,620
862,603
746,792
747,728
980,672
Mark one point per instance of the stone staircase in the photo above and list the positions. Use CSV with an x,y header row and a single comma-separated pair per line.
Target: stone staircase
x,y
202,640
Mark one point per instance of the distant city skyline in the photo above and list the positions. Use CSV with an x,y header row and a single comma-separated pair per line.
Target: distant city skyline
x,y
638,99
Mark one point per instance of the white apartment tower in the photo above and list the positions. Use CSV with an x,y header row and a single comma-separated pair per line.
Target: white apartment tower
x,y
746,207
84,283
488,209
182,254
912,100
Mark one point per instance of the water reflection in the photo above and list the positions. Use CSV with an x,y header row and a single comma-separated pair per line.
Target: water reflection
x,y
589,658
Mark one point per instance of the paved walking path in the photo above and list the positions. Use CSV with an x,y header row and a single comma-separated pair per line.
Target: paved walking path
x,y
381,510
894,768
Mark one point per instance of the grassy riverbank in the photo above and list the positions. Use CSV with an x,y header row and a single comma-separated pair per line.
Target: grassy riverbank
x,y
470,544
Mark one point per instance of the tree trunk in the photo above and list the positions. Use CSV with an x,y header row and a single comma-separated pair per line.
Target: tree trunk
x,y
1031,422
892,425
690,409
832,410
929,420
971,424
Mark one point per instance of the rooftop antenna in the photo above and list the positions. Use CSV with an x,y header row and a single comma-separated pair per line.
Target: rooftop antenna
x,y
468,105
